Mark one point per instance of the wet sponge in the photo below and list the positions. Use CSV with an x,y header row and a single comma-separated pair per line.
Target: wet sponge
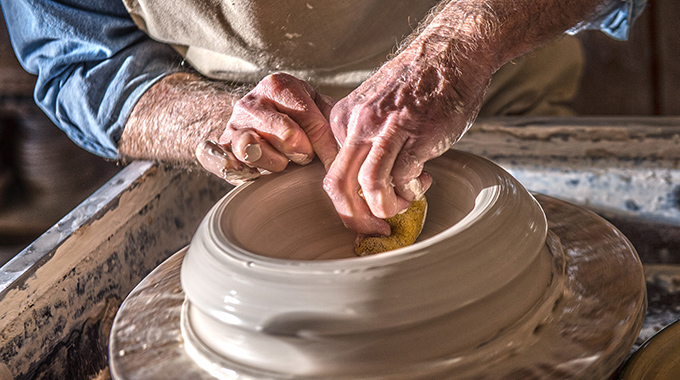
x,y
405,230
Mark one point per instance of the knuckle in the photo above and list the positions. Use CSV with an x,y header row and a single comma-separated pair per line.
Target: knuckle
x,y
371,182
278,120
339,113
248,101
290,136
276,80
295,141
407,167
276,77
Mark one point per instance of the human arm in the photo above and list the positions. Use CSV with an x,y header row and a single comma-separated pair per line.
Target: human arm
x,y
99,75
92,62
424,99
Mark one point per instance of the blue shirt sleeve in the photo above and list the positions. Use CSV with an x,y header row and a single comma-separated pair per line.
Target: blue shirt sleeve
x,y
617,21
92,62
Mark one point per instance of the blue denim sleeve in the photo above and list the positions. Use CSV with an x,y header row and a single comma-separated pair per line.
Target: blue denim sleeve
x,y
617,21
92,62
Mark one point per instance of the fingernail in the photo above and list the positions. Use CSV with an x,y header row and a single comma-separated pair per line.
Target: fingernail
x,y
214,159
253,152
299,158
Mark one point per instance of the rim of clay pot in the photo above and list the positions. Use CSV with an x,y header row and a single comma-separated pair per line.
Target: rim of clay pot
x,y
503,208
265,298
497,184
602,273
484,205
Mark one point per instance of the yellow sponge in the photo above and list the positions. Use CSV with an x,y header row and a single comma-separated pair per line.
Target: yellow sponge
x,y
405,230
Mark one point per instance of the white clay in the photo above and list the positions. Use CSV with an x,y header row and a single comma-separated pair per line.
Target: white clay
x,y
273,287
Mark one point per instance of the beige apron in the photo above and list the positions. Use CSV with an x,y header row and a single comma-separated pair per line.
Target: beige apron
x,y
336,45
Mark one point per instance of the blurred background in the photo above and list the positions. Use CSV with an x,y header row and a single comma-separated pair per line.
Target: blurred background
x,y
43,175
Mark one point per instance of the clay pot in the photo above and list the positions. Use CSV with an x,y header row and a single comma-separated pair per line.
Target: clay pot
x,y
273,289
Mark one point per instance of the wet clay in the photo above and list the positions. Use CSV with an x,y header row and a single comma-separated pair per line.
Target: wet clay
x,y
272,284
567,306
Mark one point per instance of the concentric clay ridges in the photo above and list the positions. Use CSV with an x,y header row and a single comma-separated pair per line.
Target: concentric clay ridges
x,y
582,326
484,244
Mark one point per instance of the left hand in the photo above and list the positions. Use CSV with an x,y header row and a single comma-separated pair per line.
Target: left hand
x,y
409,112
282,119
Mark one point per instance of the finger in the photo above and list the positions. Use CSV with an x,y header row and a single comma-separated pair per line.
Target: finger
x,y
224,164
407,175
323,141
325,104
306,107
279,130
339,119
249,147
375,175
415,188
343,189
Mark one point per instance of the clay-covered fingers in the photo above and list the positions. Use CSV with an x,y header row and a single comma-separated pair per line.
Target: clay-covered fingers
x,y
308,108
342,186
281,119
374,179
256,125
408,178
267,140
375,175
220,161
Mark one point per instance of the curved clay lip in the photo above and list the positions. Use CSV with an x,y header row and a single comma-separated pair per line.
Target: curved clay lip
x,y
603,271
484,204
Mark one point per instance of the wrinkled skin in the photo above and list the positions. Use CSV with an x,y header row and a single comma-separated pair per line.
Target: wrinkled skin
x,y
412,110
403,116
282,119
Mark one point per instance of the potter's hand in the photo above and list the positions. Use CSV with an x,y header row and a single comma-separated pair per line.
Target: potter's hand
x,y
282,119
412,110
422,101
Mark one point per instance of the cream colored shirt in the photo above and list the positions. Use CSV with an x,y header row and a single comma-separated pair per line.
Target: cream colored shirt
x,y
337,44
327,42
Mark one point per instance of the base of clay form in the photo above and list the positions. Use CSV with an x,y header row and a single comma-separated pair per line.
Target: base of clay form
x,y
571,311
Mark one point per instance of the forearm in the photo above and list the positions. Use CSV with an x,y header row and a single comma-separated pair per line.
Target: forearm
x,y
92,64
174,116
490,33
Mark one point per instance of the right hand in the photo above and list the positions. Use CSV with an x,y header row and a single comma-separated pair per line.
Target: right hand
x,y
282,119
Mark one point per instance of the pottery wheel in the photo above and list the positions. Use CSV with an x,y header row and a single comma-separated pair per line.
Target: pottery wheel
x,y
593,330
